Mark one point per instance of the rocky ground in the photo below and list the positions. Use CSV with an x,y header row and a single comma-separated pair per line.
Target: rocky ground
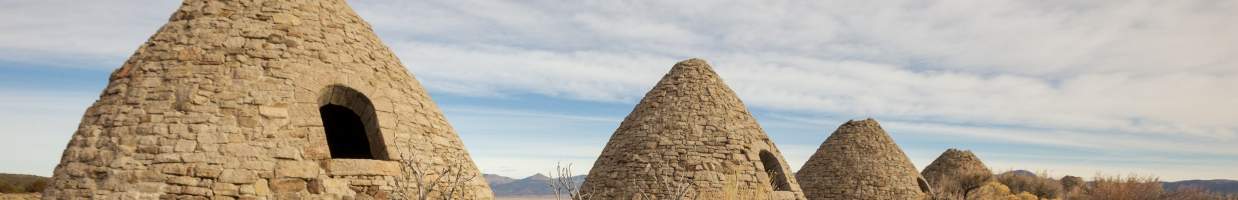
x,y
21,196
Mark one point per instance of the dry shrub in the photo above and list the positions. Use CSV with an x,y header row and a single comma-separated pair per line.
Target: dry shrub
x,y
562,184
957,187
1071,183
1131,187
1041,185
1135,187
448,183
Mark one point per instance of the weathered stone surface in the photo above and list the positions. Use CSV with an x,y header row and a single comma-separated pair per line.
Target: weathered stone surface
x,y
225,189
24,196
262,188
223,102
337,186
238,176
297,169
692,130
286,185
273,111
860,161
363,167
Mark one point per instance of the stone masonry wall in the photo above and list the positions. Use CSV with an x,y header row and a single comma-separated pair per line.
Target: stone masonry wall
x,y
689,129
859,161
222,103
954,163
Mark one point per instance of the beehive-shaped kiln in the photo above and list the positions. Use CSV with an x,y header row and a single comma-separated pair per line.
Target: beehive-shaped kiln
x,y
860,161
691,136
253,99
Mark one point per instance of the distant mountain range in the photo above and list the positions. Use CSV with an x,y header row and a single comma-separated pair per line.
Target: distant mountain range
x,y
1216,185
1020,173
537,184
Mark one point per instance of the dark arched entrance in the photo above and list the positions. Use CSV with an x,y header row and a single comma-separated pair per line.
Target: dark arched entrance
x,y
345,133
773,168
350,124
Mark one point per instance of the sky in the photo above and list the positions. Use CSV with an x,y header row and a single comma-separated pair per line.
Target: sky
x,y
1082,88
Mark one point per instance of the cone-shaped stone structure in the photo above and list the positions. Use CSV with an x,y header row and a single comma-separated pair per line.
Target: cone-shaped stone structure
x,y
860,161
955,164
253,99
691,136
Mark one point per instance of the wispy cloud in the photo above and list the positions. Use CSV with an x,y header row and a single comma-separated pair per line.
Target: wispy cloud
x,y
69,33
1128,75
1097,67
507,112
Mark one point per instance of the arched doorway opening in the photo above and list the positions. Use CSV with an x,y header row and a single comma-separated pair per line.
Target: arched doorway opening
x,y
924,185
350,124
773,168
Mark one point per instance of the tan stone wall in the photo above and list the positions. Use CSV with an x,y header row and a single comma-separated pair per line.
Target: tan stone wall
x,y
690,128
955,164
859,161
222,103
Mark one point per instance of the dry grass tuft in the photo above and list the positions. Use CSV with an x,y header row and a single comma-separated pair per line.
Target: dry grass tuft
x,y
1040,185
1131,187
1135,187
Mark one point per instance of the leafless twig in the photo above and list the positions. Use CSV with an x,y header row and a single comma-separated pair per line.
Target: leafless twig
x,y
449,182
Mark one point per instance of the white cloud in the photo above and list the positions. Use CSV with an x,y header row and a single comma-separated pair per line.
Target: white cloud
x,y
1031,38
69,33
1121,67
1150,75
491,70
1187,104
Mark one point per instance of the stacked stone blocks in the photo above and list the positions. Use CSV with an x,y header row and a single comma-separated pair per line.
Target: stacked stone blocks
x,y
690,129
222,103
860,161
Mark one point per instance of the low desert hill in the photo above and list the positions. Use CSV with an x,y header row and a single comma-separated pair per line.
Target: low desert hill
x,y
537,184
1216,185
21,183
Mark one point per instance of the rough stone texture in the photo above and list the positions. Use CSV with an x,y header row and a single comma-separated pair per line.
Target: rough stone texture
x,y
222,103
690,129
954,164
19,196
860,161
362,167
